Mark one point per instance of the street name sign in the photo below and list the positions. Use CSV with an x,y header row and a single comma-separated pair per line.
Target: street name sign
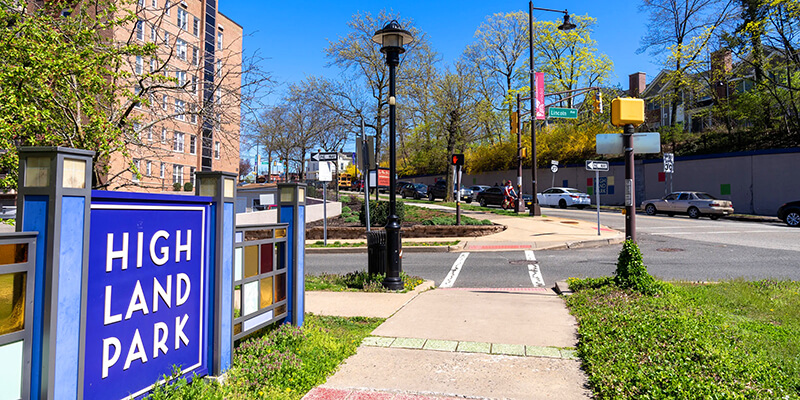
x,y
323,156
645,142
556,112
596,165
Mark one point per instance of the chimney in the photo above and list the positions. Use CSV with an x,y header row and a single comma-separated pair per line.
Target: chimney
x,y
636,84
721,66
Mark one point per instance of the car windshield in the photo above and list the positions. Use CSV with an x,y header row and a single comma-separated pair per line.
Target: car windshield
x,y
568,190
420,186
704,196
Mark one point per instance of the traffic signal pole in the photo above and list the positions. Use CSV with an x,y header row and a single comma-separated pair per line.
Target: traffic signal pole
x,y
630,188
519,203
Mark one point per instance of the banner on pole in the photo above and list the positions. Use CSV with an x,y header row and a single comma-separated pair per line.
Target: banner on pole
x,y
539,79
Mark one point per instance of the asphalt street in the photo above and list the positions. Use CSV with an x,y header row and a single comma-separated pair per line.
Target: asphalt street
x,y
674,248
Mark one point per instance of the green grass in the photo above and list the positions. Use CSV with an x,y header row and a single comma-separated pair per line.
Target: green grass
x,y
472,207
336,244
732,340
358,281
283,363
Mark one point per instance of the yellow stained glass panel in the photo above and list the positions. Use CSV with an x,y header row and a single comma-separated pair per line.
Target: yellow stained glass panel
x,y
12,302
266,292
250,261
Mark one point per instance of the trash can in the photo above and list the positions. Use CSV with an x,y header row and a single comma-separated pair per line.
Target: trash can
x,y
376,252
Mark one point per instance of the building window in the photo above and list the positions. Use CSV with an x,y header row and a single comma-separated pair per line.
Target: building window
x,y
149,168
140,3
179,141
150,134
183,19
196,26
167,7
163,135
163,170
177,174
154,3
164,102
195,55
136,128
180,46
137,90
216,150
193,86
180,109
181,77
166,37
192,144
219,67
137,69
153,34
140,30
135,171
191,175
219,40
153,65
193,113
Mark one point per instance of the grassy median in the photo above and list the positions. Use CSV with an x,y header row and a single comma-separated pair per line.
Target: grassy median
x,y
730,340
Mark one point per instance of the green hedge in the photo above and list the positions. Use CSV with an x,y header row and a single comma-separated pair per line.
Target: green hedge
x,y
379,212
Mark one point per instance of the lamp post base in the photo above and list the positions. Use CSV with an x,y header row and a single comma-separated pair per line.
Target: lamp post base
x,y
393,281
535,210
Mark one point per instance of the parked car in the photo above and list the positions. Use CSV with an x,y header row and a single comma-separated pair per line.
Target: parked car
x,y
695,204
8,212
564,197
357,185
399,185
438,191
414,191
790,213
477,189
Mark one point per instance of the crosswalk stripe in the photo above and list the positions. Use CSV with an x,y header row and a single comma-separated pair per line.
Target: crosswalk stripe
x,y
533,269
451,277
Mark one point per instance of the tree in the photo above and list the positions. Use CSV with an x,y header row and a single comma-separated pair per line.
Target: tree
x,y
245,167
682,29
501,42
362,63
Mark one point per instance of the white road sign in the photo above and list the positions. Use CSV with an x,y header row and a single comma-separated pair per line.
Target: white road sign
x,y
325,174
644,142
323,157
554,168
669,162
596,165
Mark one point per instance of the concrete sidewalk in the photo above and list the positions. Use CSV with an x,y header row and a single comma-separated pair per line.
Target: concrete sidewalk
x,y
462,343
521,233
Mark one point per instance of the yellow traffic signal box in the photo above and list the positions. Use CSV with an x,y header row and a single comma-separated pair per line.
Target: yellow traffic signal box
x,y
626,111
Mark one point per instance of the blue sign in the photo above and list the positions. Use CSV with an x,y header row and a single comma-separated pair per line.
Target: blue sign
x,y
147,295
602,185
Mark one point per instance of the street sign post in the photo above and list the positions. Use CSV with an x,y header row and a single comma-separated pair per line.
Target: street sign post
x,y
597,166
556,112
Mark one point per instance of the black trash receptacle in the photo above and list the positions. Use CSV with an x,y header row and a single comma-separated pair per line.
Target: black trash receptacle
x,y
376,249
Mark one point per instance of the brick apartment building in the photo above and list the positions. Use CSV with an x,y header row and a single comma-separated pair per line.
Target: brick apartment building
x,y
189,120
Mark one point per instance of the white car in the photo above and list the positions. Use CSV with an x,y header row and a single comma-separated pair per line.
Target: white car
x,y
564,197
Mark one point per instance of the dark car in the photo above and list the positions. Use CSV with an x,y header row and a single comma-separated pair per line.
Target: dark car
x,y
438,191
357,185
790,213
414,191
477,189
491,196
399,185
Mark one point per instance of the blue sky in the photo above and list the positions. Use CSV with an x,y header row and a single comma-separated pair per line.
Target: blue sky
x,y
293,34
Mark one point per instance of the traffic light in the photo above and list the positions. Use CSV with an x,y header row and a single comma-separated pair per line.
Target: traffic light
x,y
457,159
523,152
598,103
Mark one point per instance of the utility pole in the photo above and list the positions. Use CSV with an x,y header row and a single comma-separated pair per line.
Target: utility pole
x,y
516,126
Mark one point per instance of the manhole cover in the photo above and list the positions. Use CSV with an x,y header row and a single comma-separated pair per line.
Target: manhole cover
x,y
669,249
570,222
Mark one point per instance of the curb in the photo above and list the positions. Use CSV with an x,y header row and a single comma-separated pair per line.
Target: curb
x,y
562,288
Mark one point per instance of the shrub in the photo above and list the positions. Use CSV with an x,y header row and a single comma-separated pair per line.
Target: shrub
x,y
176,187
631,273
346,210
270,359
379,213
188,187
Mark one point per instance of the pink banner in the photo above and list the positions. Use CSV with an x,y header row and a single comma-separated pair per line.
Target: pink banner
x,y
539,80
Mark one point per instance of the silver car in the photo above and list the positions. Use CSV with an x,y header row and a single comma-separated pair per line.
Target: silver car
x,y
695,204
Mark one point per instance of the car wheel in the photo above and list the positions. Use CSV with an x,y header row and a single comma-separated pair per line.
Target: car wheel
x,y
793,218
714,217
694,212
482,202
650,209
403,195
469,200
430,197
562,203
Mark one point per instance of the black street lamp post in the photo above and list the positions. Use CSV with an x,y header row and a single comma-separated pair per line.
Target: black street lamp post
x,y
392,38
535,210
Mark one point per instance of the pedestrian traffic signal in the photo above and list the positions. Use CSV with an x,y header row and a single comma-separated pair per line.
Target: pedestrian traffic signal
x,y
457,159
598,103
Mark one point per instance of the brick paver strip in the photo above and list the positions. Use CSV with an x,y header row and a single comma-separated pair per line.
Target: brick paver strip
x,y
361,395
326,394
408,343
474,347
377,341
508,349
538,351
569,354
441,345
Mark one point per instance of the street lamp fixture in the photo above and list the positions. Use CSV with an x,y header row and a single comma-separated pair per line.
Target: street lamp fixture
x,y
392,38
567,25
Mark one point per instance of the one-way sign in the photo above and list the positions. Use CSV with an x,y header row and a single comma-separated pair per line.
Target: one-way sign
x,y
323,157
596,165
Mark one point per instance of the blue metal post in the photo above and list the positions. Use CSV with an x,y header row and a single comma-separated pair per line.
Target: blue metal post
x,y
292,210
